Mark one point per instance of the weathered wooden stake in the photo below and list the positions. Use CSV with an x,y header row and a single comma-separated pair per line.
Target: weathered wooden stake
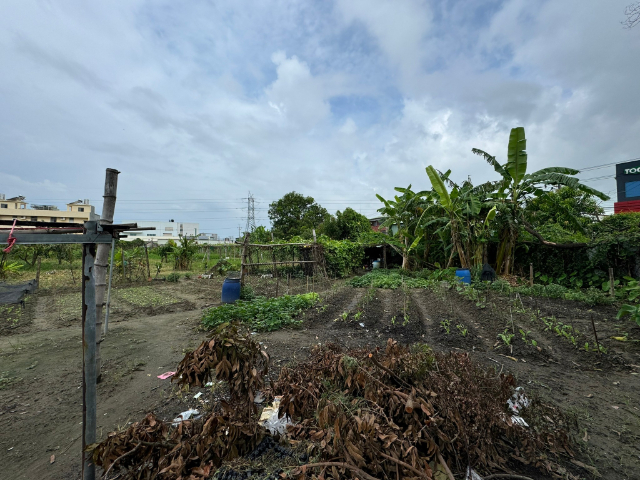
x,y
307,283
89,367
146,253
611,280
277,285
595,334
531,274
38,273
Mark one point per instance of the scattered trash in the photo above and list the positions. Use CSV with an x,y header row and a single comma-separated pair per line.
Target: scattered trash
x,y
472,474
518,401
615,407
361,324
9,449
208,384
589,396
192,412
52,459
259,398
166,375
269,418
197,395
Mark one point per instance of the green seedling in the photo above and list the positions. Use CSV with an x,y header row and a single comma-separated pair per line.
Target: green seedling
x,y
506,337
446,324
357,315
462,329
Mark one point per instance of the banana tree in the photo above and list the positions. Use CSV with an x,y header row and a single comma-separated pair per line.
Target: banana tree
x,y
402,212
516,187
461,215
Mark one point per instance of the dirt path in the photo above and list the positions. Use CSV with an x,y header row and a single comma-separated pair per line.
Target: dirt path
x,y
41,414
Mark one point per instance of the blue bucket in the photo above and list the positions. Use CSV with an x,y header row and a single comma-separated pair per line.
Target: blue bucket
x,y
230,290
464,275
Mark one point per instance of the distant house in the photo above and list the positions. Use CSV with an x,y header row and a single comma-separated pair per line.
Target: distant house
x,y
16,208
375,224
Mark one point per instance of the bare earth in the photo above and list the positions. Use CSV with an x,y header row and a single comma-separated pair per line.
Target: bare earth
x,y
40,364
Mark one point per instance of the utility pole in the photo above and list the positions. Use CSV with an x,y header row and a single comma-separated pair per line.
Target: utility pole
x,y
251,214
102,257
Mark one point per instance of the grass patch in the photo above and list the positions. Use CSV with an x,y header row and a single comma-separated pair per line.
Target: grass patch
x,y
262,314
144,297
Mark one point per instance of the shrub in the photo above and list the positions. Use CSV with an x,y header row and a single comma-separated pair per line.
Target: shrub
x,y
187,276
173,277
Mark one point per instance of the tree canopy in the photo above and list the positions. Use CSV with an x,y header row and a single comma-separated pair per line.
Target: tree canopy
x,y
294,213
346,225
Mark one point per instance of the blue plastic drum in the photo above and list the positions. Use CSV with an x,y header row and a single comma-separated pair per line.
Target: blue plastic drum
x,y
230,290
464,275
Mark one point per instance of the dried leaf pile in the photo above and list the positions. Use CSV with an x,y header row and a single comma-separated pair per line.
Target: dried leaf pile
x,y
401,412
406,412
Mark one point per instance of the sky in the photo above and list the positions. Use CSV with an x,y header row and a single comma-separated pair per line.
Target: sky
x,y
199,103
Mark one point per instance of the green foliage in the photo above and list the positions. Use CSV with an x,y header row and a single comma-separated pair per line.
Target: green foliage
x,y
506,337
173,277
263,314
342,257
632,310
446,325
347,225
247,293
591,296
9,269
260,235
294,213
184,252
165,250
394,279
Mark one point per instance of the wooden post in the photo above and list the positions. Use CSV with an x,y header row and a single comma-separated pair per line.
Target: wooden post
x,y
277,285
102,257
272,239
38,273
531,274
124,273
307,283
595,334
243,261
384,255
611,280
146,254
313,283
288,283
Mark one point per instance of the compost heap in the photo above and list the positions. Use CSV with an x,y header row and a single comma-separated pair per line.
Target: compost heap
x,y
400,412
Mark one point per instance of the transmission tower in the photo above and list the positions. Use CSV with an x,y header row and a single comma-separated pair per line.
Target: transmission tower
x,y
251,214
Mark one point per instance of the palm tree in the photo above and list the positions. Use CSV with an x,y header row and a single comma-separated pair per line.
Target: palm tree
x,y
516,187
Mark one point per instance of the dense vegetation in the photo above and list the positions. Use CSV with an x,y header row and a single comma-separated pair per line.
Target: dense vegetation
x,y
262,314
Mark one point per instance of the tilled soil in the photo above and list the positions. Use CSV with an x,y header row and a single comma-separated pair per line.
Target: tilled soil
x,y
40,398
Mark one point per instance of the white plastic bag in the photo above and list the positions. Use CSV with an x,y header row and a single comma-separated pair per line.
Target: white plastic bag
x,y
269,418
192,412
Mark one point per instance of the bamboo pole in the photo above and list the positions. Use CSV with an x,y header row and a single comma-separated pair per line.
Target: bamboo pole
x,y
611,282
531,274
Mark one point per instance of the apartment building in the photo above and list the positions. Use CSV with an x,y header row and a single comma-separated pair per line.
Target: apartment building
x,y
171,230
18,208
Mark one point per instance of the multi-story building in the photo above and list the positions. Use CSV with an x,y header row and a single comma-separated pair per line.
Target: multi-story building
x,y
171,230
628,183
79,211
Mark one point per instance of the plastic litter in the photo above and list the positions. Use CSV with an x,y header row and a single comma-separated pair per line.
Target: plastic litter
x,y
192,412
516,403
361,324
269,418
472,474
259,398
208,384
166,375
197,395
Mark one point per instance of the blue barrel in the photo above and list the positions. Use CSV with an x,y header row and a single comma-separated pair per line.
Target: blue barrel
x,y
464,275
230,290
376,264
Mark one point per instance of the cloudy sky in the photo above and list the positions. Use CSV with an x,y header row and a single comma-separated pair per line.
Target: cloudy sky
x,y
199,102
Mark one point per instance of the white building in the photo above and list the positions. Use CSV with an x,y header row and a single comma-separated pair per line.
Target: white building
x,y
171,230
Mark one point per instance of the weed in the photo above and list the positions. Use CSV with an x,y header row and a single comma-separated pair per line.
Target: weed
x,y
446,324
357,316
462,329
506,337
393,320
406,320
173,277
344,315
